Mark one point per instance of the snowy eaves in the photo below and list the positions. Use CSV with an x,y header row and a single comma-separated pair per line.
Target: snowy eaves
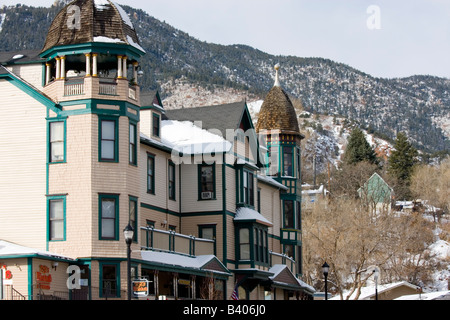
x,y
186,138
247,214
181,261
11,250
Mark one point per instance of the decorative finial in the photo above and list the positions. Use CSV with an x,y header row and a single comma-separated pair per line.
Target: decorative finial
x,y
277,78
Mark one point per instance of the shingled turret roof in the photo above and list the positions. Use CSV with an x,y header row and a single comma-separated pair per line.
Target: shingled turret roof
x,y
277,112
85,21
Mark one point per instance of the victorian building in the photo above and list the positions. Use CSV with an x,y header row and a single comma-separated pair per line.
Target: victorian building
x,y
85,153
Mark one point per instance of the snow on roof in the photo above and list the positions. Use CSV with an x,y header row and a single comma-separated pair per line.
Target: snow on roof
x,y
276,269
185,137
101,4
10,250
369,291
439,295
123,14
107,40
271,181
243,214
179,260
134,44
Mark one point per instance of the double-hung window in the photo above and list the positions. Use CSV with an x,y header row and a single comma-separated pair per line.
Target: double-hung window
x,y
207,183
132,144
133,215
171,180
156,125
289,214
244,244
109,207
150,173
56,208
108,140
287,162
248,188
57,141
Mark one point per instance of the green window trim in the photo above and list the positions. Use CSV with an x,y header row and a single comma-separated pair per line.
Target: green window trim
x,y
133,216
56,139
151,173
105,139
171,177
133,143
248,188
288,161
59,200
203,187
252,244
156,125
104,220
113,282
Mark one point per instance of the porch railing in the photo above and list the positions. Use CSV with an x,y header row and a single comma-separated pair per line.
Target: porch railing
x,y
170,241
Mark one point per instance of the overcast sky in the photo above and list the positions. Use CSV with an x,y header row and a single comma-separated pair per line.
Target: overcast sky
x,y
384,38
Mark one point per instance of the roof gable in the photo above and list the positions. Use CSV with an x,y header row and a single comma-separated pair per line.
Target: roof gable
x,y
218,117
283,276
376,189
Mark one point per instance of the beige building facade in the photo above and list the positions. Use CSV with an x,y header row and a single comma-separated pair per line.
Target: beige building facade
x,y
85,153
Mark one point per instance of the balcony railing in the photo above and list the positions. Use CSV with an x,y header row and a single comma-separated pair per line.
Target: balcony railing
x,y
132,93
170,241
280,258
107,88
74,88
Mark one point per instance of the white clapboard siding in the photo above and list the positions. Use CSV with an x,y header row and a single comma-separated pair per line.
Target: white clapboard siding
x,y
22,168
31,73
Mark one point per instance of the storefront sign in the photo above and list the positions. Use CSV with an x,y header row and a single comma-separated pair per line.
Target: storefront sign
x,y
7,275
140,288
184,282
43,278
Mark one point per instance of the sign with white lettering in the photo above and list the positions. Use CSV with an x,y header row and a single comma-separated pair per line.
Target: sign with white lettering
x,y
140,288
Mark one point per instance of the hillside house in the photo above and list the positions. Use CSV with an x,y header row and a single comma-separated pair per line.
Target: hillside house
x,y
377,193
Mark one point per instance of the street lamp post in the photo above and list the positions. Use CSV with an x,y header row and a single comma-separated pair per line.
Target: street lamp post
x,y
376,274
128,232
325,269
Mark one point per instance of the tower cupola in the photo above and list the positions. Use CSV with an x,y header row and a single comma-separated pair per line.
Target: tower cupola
x,y
277,112
91,45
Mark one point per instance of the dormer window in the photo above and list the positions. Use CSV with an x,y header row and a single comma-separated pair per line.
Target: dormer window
x,y
156,125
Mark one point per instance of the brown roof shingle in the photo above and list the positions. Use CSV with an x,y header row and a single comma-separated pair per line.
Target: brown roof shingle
x,y
93,21
277,113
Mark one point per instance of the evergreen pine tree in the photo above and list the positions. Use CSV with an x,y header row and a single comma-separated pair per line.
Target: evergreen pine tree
x,y
358,149
402,159
401,165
